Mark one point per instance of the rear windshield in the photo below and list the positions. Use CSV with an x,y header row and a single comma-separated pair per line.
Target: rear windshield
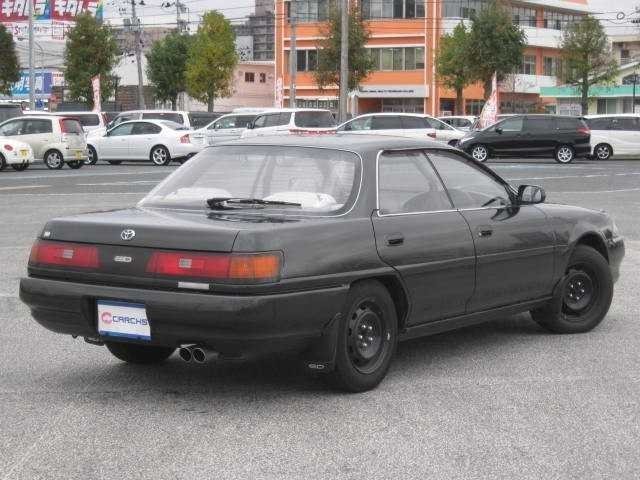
x,y
87,119
315,120
9,111
173,125
174,117
70,125
202,119
320,180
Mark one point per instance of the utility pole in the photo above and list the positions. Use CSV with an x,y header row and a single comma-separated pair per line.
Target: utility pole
x,y
293,55
344,59
136,25
179,25
32,73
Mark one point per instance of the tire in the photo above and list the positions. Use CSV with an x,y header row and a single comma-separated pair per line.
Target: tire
x,y
3,163
603,151
479,152
114,162
92,156
54,160
141,354
20,167
160,156
76,164
584,296
367,338
565,154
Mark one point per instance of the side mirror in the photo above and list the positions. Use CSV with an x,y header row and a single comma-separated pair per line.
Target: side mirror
x,y
499,130
531,194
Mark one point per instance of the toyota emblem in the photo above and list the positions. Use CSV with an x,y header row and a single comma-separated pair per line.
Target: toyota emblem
x,y
128,234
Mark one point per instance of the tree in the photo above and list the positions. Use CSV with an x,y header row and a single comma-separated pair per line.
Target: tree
x,y
496,43
453,63
360,61
587,57
211,59
90,50
9,66
166,64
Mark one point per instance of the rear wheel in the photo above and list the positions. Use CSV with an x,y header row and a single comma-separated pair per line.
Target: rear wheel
x,y
584,297
565,154
115,162
367,338
92,156
19,167
480,153
75,164
134,353
53,160
160,156
603,151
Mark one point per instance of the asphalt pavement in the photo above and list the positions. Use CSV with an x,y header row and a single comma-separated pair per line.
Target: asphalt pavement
x,y
504,400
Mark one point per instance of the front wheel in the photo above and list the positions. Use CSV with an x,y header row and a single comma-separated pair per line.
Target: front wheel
x,y
75,164
160,156
141,354
583,298
480,153
367,338
564,154
53,160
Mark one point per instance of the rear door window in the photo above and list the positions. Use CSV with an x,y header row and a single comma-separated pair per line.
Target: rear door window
x,y
145,128
386,122
599,123
568,123
628,124
201,119
539,124
314,120
14,127
69,125
413,123
277,119
358,124
174,117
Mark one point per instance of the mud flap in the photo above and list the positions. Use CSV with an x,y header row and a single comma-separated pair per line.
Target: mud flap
x,y
322,354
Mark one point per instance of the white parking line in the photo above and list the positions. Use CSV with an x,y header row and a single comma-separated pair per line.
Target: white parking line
x,y
22,187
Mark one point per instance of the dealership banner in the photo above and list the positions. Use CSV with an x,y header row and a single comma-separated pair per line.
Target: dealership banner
x,y
61,10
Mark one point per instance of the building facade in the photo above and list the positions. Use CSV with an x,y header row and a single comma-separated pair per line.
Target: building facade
x,y
404,38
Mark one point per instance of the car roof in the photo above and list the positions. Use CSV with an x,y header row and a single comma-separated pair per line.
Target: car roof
x,y
153,111
155,121
358,143
291,110
613,115
392,114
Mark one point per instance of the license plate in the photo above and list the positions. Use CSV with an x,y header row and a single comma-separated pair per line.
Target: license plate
x,y
78,154
24,153
123,319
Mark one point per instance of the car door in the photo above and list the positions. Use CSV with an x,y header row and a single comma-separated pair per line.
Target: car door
x,y
144,136
539,135
601,133
514,244
416,127
115,144
387,125
227,128
38,132
420,234
626,132
505,138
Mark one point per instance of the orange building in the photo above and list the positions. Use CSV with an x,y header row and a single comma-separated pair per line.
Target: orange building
x,y
404,37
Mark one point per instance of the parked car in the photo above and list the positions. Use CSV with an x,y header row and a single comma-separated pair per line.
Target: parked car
x,y
445,133
89,120
9,110
289,121
158,141
190,120
15,153
464,122
227,127
398,124
56,140
564,138
333,246
617,135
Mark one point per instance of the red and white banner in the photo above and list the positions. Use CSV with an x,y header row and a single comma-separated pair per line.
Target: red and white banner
x,y
95,83
489,114
61,10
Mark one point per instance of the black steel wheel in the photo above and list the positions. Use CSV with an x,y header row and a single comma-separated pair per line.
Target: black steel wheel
x,y
583,298
142,354
367,338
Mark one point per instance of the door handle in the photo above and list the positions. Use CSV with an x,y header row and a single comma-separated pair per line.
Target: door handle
x,y
485,232
394,240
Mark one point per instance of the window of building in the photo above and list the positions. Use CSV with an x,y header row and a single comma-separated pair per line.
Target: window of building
x,y
312,103
524,16
552,66
263,78
372,9
528,65
400,105
607,105
249,77
559,21
400,58
473,107
463,8
310,10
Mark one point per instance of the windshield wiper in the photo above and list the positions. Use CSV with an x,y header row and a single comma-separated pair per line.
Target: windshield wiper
x,y
229,203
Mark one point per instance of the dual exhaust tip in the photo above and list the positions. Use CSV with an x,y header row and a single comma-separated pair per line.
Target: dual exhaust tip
x,y
197,354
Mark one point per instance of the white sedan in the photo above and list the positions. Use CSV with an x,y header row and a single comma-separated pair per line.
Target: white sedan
x,y
158,141
17,154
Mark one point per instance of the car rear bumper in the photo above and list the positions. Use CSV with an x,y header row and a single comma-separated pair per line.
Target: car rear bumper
x,y
233,324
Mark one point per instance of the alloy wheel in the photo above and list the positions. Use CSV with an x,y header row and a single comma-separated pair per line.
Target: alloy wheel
x,y
54,160
159,156
564,155
603,152
480,153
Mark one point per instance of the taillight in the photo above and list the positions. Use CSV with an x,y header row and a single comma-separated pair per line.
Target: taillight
x,y
63,126
8,148
185,139
63,254
584,130
431,134
249,267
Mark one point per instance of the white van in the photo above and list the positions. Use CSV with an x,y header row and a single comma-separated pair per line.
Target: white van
x,y
89,120
617,135
291,121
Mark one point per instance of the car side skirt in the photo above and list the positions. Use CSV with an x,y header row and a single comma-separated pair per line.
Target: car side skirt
x,y
453,323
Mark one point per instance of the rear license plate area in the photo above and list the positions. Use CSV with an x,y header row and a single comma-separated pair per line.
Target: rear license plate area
x,y
123,319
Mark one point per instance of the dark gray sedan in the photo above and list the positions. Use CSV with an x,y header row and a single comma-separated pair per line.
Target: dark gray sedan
x,y
335,247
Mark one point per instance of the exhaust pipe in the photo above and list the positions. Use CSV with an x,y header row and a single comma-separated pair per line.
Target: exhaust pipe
x,y
186,353
203,354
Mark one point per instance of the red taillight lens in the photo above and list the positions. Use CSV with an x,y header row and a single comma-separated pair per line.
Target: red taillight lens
x,y
8,148
64,254
185,139
252,267
584,130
